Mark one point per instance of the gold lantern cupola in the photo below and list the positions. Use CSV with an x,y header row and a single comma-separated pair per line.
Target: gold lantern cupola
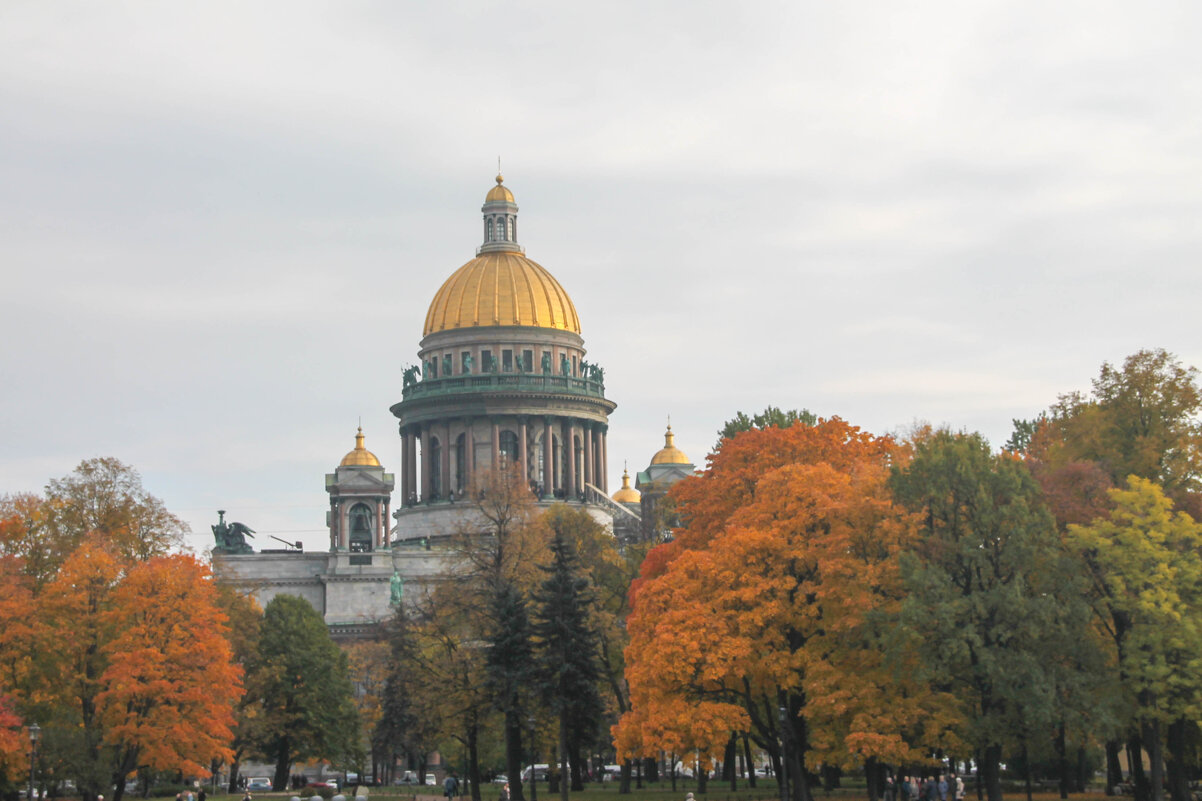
x,y
627,494
670,454
360,456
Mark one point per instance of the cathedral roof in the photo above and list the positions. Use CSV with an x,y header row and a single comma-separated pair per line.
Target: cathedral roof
x,y
670,454
360,456
501,286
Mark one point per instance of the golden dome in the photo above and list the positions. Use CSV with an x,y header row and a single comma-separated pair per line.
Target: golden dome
x,y
499,192
670,454
501,288
627,494
360,456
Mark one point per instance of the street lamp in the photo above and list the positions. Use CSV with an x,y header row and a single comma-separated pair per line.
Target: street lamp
x,y
533,760
783,779
35,731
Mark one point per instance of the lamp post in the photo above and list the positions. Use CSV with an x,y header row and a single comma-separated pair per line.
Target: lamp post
x,y
35,731
533,759
783,779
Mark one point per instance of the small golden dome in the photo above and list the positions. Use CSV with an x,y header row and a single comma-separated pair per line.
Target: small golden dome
x,y
501,288
360,456
627,494
670,454
499,192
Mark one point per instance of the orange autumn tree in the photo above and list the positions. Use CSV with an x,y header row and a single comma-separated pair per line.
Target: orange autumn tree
x,y
170,684
140,675
778,594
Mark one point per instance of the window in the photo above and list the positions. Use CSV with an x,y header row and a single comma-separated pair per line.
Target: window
x,y
488,230
573,364
465,360
486,365
507,361
528,361
509,446
434,367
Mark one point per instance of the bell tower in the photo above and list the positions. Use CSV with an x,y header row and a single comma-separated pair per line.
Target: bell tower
x,y
360,497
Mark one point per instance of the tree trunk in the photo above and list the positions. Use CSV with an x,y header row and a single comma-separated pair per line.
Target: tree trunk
x,y
563,750
624,784
872,776
473,761
514,754
1081,777
730,758
1027,769
1178,777
1114,768
235,766
990,770
1135,765
1154,743
672,769
703,778
283,761
1062,759
747,761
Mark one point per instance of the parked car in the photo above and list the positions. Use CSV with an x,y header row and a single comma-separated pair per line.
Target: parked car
x,y
500,778
431,781
258,785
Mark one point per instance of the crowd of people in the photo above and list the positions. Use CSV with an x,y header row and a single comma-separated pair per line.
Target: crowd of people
x,y
935,788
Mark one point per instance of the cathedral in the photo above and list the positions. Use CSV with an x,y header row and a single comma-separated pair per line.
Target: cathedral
x,y
502,382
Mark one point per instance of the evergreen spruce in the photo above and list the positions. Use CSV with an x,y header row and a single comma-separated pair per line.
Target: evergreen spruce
x,y
566,668
510,670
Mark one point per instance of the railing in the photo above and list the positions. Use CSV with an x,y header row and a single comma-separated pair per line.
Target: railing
x,y
493,382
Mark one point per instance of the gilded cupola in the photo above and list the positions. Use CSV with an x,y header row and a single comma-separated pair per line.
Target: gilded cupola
x,y
670,454
360,456
627,494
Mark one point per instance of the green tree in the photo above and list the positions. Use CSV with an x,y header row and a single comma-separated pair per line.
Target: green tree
x,y
1146,568
771,417
567,655
989,589
308,706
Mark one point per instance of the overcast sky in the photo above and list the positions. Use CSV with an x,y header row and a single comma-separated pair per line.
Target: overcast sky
x,y
222,223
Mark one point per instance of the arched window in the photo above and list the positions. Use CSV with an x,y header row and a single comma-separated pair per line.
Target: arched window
x,y
509,447
502,233
488,230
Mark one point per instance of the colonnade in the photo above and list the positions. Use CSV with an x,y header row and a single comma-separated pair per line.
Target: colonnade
x,y
381,515
573,453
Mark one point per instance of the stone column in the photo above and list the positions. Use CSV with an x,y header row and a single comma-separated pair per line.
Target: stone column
x,y
426,482
344,526
522,451
411,490
548,462
404,466
604,437
586,428
446,460
469,455
386,529
495,456
334,520
569,450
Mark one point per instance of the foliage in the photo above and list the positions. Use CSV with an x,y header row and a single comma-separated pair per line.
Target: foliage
x,y
990,592
1141,419
308,707
777,593
769,418
566,668
1146,568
